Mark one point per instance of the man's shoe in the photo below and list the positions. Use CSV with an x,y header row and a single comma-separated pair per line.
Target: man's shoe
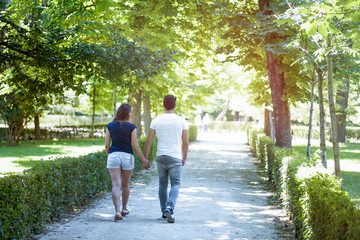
x,y
163,217
169,213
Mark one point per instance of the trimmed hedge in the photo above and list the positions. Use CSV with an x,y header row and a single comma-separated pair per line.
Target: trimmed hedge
x,y
330,213
352,133
192,133
72,131
52,188
231,126
55,132
310,194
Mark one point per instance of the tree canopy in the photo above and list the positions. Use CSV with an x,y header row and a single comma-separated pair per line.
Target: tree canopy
x,y
145,49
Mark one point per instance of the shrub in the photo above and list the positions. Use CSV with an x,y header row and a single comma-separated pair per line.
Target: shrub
x,y
352,133
192,133
252,139
50,189
279,154
261,149
291,191
231,126
311,195
330,214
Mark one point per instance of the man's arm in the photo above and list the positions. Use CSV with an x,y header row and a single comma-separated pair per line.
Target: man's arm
x,y
148,142
185,145
135,145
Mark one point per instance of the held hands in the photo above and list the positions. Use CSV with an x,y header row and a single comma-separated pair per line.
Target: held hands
x,y
146,165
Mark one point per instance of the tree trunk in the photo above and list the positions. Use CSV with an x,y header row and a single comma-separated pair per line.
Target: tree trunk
x,y
135,103
15,128
37,126
93,112
236,116
332,110
267,123
147,114
10,134
322,117
281,107
308,152
276,77
223,112
342,97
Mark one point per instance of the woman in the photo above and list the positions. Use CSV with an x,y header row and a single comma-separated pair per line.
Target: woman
x,y
120,161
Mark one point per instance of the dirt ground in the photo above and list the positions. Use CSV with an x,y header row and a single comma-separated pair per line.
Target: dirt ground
x,y
221,198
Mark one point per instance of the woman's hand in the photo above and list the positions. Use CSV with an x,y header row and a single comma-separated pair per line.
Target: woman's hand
x,y
146,165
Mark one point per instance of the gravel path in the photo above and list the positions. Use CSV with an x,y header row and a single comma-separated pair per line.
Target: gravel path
x,y
220,198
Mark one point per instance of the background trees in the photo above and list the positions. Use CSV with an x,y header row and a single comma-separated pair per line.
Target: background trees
x,y
137,51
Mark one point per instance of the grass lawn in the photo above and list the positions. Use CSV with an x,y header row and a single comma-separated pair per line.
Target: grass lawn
x,y
350,152
26,154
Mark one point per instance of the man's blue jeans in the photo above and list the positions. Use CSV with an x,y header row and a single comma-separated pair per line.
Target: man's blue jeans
x,y
169,167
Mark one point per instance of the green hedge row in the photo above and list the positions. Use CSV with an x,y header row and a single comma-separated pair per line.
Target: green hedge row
x,y
192,133
52,188
57,132
231,126
72,131
352,133
311,194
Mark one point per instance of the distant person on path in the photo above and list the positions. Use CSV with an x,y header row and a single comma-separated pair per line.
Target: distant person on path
x,y
206,122
170,130
120,161
198,122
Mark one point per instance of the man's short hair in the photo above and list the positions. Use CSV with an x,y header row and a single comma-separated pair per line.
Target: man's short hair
x,y
169,102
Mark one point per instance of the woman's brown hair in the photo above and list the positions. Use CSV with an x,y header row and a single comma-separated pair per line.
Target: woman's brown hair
x,y
123,113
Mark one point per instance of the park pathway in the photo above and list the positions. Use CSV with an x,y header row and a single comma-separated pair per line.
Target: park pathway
x,y
220,198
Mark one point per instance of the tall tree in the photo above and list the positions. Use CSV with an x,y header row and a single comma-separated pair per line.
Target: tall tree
x,y
332,109
320,20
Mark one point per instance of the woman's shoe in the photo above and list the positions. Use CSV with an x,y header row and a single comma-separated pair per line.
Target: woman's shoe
x,y
118,216
124,212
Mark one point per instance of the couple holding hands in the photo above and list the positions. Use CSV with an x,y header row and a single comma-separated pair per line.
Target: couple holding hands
x,y
172,148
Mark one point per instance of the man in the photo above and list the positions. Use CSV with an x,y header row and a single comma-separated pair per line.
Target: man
x,y
170,130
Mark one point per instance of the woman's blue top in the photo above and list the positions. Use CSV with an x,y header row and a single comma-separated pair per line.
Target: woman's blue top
x,y
121,136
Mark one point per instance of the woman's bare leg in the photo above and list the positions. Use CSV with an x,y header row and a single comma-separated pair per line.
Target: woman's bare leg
x,y
115,174
125,186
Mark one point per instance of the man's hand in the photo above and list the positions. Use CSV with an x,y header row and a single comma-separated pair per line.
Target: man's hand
x,y
146,165
183,162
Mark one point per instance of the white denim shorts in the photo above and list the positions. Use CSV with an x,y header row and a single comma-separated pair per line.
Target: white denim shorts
x,y
122,160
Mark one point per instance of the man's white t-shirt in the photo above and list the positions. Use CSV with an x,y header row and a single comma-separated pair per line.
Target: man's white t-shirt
x,y
168,129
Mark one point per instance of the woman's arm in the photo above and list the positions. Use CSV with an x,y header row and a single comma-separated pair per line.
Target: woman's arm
x,y
135,145
148,142
107,141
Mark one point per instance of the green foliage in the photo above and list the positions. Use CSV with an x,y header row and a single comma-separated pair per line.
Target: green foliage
x,y
193,130
231,126
48,190
152,153
330,212
277,164
62,132
252,139
52,188
261,149
292,192
266,151
352,133
312,196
